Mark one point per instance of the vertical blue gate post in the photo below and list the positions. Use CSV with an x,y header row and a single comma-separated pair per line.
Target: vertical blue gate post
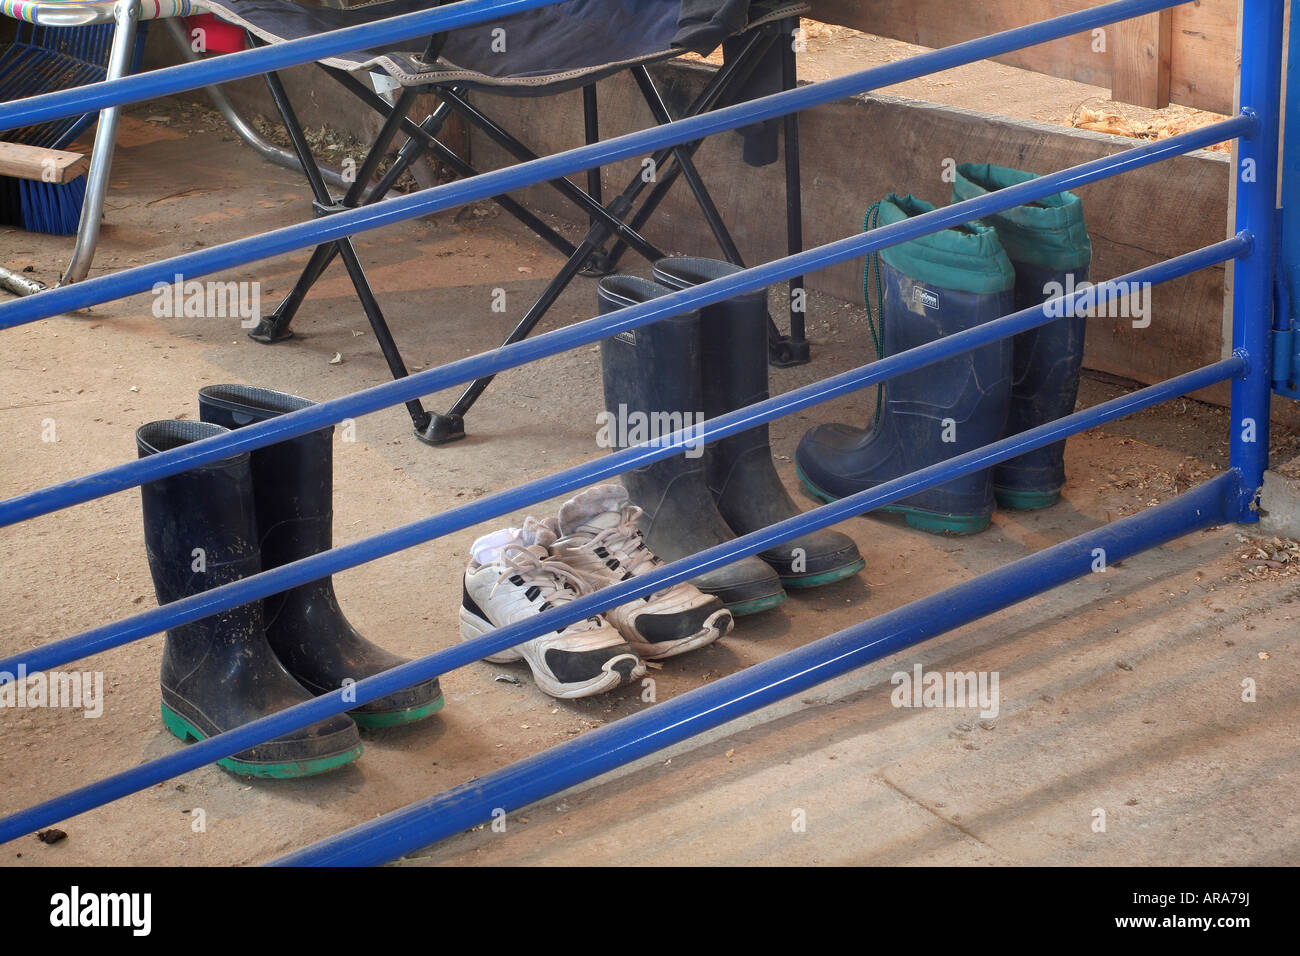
x,y
1253,290
1286,368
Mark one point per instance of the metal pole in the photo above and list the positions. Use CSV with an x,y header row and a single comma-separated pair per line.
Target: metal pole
x,y
1254,273
126,15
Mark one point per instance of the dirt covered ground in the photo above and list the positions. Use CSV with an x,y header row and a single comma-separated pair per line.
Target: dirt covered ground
x,y
1122,692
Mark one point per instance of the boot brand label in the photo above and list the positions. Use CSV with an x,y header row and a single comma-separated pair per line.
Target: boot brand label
x,y
628,336
927,298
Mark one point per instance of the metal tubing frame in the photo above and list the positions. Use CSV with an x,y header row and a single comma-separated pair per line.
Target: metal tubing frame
x,y
659,110
126,16
421,137
372,688
598,751
598,215
332,412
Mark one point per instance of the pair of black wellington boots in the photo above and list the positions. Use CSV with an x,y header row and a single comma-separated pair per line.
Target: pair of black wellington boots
x,y
229,520
704,364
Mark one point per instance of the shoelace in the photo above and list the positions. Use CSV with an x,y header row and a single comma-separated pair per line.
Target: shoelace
x,y
620,535
550,575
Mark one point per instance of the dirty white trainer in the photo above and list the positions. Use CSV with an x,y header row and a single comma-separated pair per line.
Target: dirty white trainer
x,y
597,535
512,576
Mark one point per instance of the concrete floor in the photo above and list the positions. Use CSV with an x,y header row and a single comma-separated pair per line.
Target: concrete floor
x,y
1120,693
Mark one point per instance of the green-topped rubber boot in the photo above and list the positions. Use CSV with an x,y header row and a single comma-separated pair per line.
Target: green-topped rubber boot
x,y
1049,248
220,673
930,288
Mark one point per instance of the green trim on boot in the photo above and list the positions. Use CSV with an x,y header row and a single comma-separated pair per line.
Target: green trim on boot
x,y
396,718
742,608
967,258
1049,232
1014,500
798,581
186,731
932,522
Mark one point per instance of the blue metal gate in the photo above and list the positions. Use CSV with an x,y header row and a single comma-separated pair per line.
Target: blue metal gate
x,y
1231,496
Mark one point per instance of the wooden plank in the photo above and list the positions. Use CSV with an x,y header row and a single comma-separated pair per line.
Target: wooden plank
x,y
1141,50
1204,55
45,165
1202,46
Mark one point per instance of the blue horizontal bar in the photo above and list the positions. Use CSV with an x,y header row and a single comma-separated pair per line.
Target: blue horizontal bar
x,y
630,738
372,688
351,555
239,252
234,66
140,471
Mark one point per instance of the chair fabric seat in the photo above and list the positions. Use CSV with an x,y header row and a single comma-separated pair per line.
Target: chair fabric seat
x,y
546,51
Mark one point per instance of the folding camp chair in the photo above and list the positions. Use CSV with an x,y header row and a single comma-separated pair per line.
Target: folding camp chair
x,y
538,53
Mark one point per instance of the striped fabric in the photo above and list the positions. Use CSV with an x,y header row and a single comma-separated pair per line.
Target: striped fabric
x,y
149,9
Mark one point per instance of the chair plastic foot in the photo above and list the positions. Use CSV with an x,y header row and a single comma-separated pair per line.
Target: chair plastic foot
x,y
441,429
267,332
597,265
784,353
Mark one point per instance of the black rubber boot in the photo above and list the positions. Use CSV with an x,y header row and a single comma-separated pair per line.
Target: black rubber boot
x,y
293,486
739,469
655,370
220,673
1048,245
934,286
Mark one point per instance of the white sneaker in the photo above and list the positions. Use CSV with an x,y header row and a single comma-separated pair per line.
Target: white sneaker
x,y
512,576
597,535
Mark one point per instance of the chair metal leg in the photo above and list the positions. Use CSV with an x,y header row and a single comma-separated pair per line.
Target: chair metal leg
x,y
275,327
608,217
379,325
19,284
126,17
714,95
325,204
611,218
424,137
659,109
783,351
451,426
